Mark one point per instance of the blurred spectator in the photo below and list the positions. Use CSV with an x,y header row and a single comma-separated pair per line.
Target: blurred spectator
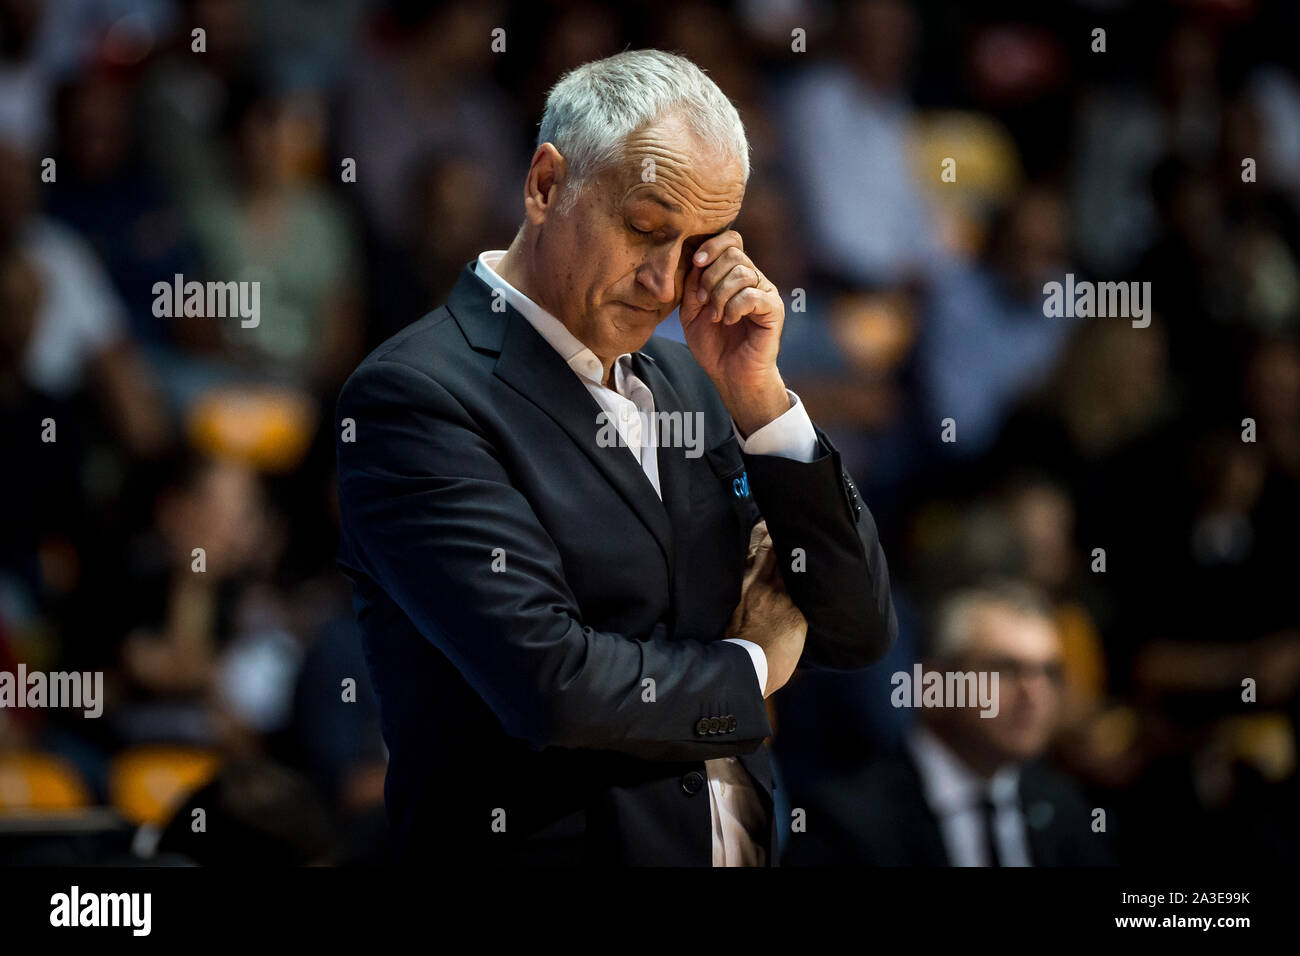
x,y
1186,265
1274,91
1121,135
449,223
1109,396
290,236
116,203
845,124
184,96
966,789
985,338
78,338
423,82
1040,516
205,648
45,491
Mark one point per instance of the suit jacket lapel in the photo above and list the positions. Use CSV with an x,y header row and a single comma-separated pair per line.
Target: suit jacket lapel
x,y
674,469
926,832
529,364
1042,846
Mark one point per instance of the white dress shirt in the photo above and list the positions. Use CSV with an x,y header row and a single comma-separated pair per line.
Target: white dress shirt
x,y
954,792
739,823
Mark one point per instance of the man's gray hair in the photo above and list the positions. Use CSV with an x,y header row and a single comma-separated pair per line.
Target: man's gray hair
x,y
593,109
951,632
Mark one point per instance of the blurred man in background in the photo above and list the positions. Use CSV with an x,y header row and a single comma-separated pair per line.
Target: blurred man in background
x,y
966,790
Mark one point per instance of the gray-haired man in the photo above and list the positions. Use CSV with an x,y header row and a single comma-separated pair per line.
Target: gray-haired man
x,y
572,637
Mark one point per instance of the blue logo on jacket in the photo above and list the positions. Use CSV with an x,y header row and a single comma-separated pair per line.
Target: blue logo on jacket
x,y
741,485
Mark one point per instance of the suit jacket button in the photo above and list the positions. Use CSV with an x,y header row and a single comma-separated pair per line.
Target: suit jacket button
x,y
692,783
702,726
732,723
715,724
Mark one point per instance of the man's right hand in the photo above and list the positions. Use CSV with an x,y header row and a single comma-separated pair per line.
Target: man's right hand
x,y
766,615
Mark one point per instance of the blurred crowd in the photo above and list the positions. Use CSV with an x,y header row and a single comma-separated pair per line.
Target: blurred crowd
x,y
1132,492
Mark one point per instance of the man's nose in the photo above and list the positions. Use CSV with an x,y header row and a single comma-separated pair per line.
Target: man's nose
x,y
659,275
1037,694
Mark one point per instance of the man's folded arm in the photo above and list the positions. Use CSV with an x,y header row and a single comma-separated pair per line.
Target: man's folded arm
x,y
839,579
426,506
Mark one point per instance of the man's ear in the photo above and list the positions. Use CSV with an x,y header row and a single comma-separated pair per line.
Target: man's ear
x,y
546,176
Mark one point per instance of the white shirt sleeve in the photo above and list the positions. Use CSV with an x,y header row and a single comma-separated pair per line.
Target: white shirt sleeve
x,y
758,656
789,435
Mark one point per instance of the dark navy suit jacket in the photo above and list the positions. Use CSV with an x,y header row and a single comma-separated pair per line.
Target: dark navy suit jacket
x,y
878,816
519,587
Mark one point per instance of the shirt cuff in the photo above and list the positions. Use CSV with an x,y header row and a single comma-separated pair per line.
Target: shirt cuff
x,y
758,656
789,435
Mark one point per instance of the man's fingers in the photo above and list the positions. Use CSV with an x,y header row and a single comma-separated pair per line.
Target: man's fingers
x,y
759,564
729,288
711,249
740,278
748,303
726,274
723,266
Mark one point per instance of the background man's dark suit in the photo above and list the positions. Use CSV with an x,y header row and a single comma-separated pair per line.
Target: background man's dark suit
x,y
880,817
522,690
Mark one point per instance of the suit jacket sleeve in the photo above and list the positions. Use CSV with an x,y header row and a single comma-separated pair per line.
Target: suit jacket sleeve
x,y
424,502
843,587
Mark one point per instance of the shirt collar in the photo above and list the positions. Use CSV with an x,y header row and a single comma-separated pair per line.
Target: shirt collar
x,y
581,359
949,784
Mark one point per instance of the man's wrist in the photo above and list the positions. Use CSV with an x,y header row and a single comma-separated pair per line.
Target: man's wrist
x,y
753,407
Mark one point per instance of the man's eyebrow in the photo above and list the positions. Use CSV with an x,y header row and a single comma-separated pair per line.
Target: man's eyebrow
x,y
670,206
709,235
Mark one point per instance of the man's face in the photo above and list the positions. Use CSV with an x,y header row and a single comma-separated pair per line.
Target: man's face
x,y
614,265
1026,653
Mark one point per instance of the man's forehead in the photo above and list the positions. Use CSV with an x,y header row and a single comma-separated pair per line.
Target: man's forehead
x,y
998,629
686,196
668,165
